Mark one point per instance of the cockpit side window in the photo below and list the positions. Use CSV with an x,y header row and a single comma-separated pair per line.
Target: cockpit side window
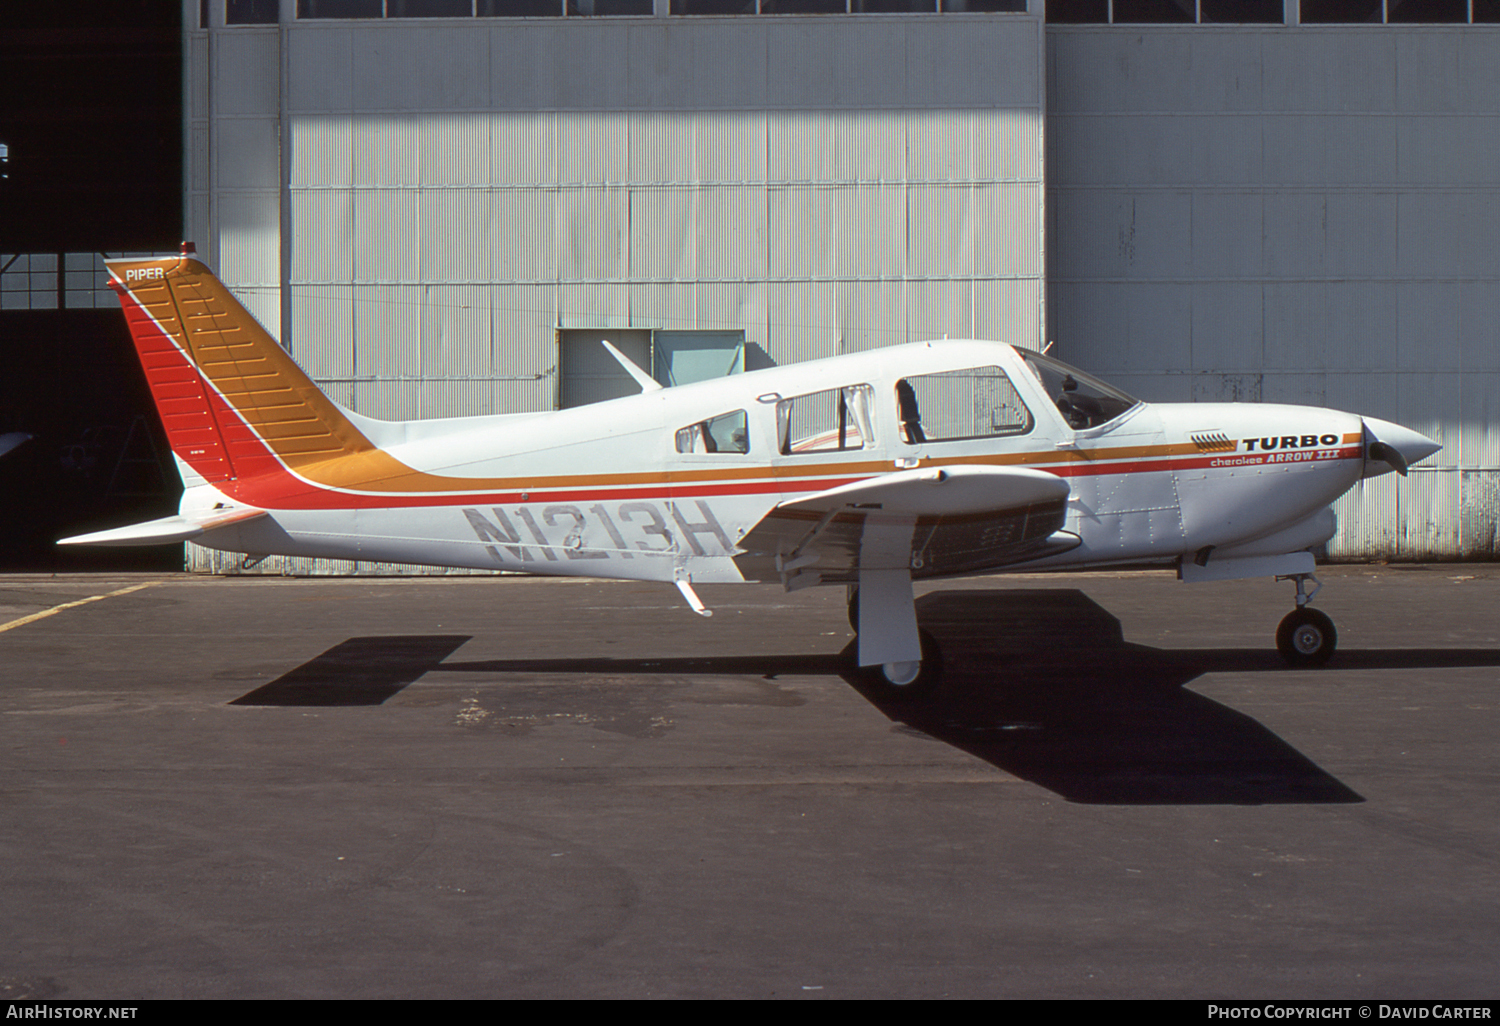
x,y
834,420
1084,401
977,402
726,433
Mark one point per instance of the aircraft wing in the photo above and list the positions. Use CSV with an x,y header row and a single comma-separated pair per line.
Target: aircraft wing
x,y
179,528
958,520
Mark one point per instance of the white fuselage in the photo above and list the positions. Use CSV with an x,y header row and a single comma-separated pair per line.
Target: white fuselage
x,y
604,491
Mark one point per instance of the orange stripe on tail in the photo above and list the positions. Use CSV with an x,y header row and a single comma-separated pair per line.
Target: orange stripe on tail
x,y
175,307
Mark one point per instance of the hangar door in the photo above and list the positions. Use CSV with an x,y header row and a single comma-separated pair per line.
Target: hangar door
x,y
588,374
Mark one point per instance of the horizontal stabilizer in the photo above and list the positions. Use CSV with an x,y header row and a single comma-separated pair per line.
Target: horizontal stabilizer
x,y
167,530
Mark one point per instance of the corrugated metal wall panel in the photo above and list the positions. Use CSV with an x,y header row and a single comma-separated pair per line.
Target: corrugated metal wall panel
x,y
386,231
1345,71
249,229
592,235
593,148
996,58
659,143
1479,514
385,150
728,65
455,231
672,306
320,74
322,153
1368,520
456,343
800,222
869,227
1478,412
522,240
1007,226
731,306
323,246
523,148
1228,333
454,149
1427,527
938,309
801,147
385,71
524,67
799,74
198,160
1428,403
1478,313
730,235
938,229
866,148
869,314
1008,147
323,330
519,348
940,145
197,99
453,66
392,314
730,147
248,151
247,72
594,304
663,233
1007,310
199,219
802,323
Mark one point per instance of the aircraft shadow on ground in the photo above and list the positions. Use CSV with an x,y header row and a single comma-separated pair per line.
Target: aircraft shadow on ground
x,y
1040,684
360,671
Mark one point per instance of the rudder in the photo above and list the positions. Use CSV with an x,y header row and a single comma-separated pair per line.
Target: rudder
x,y
232,401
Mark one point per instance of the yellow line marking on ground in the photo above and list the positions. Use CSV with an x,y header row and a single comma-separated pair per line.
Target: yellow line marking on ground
x,y
23,621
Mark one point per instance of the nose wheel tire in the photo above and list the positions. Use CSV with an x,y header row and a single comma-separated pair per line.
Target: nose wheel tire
x,y
1306,638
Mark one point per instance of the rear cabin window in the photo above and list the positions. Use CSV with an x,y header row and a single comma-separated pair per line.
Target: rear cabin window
x,y
726,433
977,402
835,420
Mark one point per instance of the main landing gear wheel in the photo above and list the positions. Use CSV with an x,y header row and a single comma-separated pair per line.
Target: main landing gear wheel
x,y
905,681
1306,637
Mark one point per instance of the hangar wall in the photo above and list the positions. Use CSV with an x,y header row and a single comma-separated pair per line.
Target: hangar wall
x,y
420,206
1301,214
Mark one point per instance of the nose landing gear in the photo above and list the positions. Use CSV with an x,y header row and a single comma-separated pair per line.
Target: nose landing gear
x,y
1306,637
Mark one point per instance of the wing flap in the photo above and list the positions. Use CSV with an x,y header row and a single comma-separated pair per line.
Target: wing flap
x,y
962,519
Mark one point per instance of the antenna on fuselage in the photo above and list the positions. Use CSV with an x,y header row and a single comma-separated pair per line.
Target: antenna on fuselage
x,y
646,381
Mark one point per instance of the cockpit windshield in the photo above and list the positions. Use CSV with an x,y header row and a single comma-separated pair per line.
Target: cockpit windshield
x,y
1084,401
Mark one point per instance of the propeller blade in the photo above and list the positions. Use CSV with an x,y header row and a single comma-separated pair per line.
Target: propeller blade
x,y
1389,454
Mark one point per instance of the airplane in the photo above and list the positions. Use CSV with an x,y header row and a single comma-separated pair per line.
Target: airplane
x,y
870,470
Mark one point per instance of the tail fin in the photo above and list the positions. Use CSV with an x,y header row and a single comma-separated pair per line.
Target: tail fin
x,y
231,400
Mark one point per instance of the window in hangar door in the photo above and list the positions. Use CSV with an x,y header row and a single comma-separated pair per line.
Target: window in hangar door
x,y
590,375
